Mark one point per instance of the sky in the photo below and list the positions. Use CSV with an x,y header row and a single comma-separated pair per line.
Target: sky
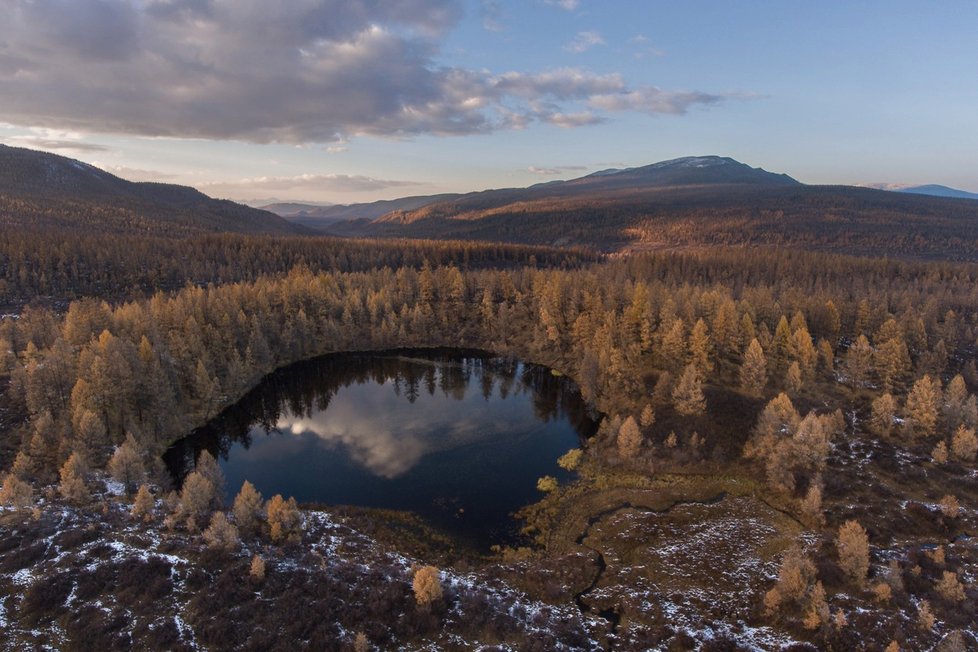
x,y
356,100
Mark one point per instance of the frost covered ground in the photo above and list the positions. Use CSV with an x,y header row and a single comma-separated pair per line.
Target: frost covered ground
x,y
636,574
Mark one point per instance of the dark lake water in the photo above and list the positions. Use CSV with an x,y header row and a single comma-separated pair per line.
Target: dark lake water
x,y
458,438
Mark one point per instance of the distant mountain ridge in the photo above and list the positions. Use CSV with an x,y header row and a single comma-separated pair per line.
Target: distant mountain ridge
x,y
936,190
686,171
45,190
692,201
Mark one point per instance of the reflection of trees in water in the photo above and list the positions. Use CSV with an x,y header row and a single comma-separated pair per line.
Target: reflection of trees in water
x,y
306,388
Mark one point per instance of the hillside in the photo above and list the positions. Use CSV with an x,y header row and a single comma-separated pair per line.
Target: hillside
x,y
696,201
322,217
41,190
936,190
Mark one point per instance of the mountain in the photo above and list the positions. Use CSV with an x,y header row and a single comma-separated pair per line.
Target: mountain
x,y
42,190
287,208
322,217
935,190
692,202
686,171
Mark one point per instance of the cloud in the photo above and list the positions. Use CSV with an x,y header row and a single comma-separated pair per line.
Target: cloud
x,y
654,100
292,71
642,47
566,5
324,182
134,174
48,144
492,15
558,169
584,41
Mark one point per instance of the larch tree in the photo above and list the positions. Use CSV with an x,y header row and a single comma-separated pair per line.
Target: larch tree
x,y
955,397
753,371
257,570
795,575
826,357
700,347
782,347
964,444
779,419
284,519
126,464
672,350
859,361
629,439
687,397
748,331
883,412
817,613
570,460
647,418
248,509
221,534
427,586
547,484
923,404
143,505
950,587
852,544
892,362
72,486
950,506
196,500
811,506
16,493
805,353
208,467
793,381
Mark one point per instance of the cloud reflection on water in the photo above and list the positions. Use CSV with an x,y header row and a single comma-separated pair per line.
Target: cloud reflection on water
x,y
388,436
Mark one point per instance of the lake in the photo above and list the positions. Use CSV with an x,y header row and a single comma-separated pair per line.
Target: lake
x,y
459,438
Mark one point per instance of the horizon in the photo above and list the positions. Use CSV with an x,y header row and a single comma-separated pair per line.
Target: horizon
x,y
348,102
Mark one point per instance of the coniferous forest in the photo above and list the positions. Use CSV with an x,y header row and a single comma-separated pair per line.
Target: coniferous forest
x,y
488,326
798,427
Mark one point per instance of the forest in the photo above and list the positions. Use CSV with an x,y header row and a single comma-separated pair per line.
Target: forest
x,y
760,376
